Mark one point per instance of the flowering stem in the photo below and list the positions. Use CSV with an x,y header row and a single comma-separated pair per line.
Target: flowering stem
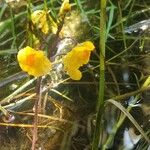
x,y
56,39
36,108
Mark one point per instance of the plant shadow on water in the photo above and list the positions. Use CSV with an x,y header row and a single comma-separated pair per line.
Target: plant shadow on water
x,y
67,116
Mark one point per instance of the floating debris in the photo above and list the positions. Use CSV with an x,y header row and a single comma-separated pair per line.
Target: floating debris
x,y
140,26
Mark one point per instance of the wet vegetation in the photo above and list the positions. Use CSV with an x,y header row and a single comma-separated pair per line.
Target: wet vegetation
x,y
108,108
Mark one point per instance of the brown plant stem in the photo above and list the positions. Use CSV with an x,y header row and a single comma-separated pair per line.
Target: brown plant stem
x,y
56,38
36,110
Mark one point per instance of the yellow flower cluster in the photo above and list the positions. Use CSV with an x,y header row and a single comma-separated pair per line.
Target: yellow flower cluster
x,y
34,62
43,21
76,58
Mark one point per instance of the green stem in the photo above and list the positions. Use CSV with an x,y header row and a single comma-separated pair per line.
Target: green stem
x,y
14,45
100,103
30,35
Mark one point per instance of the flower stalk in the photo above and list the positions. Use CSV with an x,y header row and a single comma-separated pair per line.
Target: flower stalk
x,y
36,111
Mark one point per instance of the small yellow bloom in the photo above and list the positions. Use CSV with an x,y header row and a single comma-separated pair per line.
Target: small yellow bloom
x,y
76,58
34,62
65,7
40,19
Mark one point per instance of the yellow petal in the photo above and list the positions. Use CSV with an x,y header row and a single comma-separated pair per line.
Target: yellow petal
x,y
34,62
76,58
65,7
75,74
89,45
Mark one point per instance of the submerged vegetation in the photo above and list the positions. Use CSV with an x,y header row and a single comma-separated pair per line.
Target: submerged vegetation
x,y
75,75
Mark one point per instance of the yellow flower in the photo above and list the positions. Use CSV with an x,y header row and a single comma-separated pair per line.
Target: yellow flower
x,y
34,62
76,58
65,7
43,21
